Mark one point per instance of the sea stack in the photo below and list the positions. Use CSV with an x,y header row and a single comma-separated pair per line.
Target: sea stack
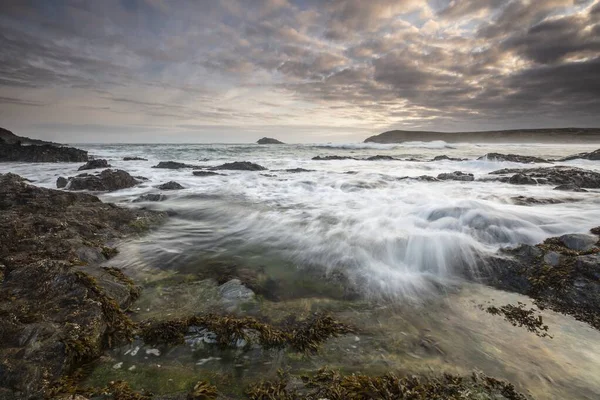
x,y
267,140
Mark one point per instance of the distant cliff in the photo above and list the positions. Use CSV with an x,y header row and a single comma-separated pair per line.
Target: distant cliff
x,y
10,138
567,135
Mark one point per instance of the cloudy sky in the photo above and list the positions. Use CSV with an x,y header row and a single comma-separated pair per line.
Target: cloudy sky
x,y
298,70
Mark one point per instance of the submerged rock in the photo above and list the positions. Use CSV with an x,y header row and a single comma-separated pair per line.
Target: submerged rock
x,y
570,187
173,165
298,170
234,294
107,181
512,158
94,164
380,158
446,158
207,173
40,153
150,197
559,175
523,200
134,159
240,166
456,176
330,158
172,185
522,179
267,140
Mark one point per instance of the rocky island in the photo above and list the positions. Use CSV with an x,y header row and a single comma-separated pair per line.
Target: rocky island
x,y
267,140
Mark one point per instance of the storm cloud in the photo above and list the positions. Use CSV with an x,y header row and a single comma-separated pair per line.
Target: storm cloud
x,y
302,70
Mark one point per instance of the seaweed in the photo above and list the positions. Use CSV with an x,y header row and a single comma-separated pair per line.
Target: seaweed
x,y
203,391
134,290
520,316
109,252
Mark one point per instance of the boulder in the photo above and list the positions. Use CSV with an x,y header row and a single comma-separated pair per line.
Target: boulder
x,y
456,176
41,153
173,165
206,173
579,241
522,179
94,164
172,185
61,182
233,294
240,166
512,158
570,187
267,140
108,180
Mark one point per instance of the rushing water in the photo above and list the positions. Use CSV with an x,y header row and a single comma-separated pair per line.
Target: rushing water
x,y
403,243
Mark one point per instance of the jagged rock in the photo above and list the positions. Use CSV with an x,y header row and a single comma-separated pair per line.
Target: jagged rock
x,y
172,185
150,197
240,166
134,159
456,176
173,165
569,187
41,153
61,182
206,173
107,181
512,158
594,155
330,158
94,164
380,158
559,175
522,179
579,241
267,140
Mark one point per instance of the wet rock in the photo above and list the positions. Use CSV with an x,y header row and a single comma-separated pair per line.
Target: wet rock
x,y
552,258
579,241
134,159
298,170
446,158
150,197
380,158
331,158
173,165
569,187
94,164
240,166
512,158
422,178
40,153
107,181
456,176
234,294
525,201
172,185
61,182
267,140
522,179
559,175
594,155
206,173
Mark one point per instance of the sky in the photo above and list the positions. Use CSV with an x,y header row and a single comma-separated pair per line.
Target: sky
x,y
298,70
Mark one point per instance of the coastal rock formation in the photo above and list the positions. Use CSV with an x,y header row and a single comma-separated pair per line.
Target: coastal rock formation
x,y
559,175
456,176
267,140
94,164
240,166
330,158
7,136
150,197
172,185
380,158
570,187
173,165
40,153
446,158
206,173
58,309
594,155
134,159
108,180
512,158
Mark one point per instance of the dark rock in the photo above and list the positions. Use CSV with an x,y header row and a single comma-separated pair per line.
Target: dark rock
x,y
522,179
298,170
380,158
134,159
206,173
512,158
594,155
331,158
267,140
40,153
94,164
55,313
559,175
150,197
61,182
173,165
108,180
423,178
240,166
172,185
456,176
569,187
579,241
446,158
524,201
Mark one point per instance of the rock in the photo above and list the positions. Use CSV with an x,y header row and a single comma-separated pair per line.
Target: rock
x,y
512,158
173,165
94,164
107,181
552,258
61,182
55,313
40,153
298,170
522,179
579,241
233,294
380,158
569,187
134,159
172,185
456,176
240,166
446,158
423,178
206,173
330,158
559,175
267,140
594,155
150,197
